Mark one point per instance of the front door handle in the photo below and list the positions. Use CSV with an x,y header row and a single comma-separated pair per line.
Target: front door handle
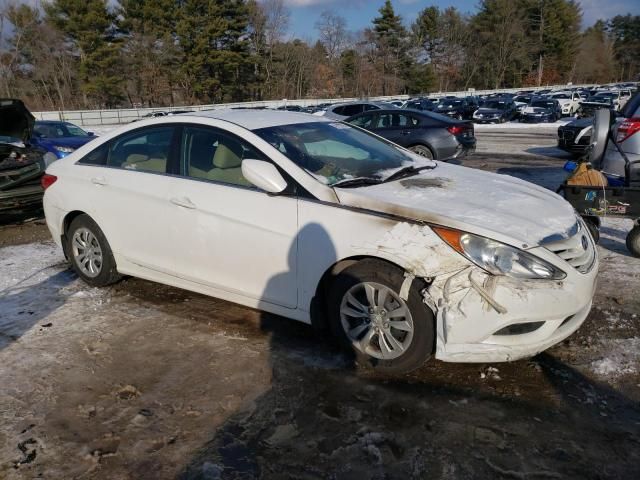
x,y
99,181
183,202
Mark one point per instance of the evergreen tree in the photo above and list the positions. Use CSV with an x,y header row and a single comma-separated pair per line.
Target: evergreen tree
x,y
625,32
214,37
91,29
391,40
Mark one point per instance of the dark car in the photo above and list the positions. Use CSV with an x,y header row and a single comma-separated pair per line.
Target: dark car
x,y
573,137
422,104
425,133
596,102
496,110
59,138
21,164
541,110
460,108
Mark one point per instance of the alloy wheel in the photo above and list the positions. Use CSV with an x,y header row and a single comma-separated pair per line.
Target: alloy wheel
x,y
86,252
376,320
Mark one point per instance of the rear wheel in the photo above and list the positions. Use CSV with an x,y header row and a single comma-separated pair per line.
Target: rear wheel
x,y
422,150
90,254
633,241
367,314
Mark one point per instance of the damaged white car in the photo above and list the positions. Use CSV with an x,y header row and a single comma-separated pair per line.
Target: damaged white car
x,y
316,220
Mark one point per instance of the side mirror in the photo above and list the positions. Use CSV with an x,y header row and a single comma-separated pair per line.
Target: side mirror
x,y
91,134
599,136
263,175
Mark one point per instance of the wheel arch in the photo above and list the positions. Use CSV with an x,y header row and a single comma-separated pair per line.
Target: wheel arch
x,y
318,307
66,223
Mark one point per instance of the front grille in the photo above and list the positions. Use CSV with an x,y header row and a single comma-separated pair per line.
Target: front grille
x,y
578,251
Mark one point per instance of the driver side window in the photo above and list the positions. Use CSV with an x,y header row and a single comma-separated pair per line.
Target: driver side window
x,y
210,154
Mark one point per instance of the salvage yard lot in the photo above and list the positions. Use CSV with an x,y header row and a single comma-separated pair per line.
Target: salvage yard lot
x,y
141,380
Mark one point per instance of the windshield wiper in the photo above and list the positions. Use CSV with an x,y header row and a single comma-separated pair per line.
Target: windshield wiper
x,y
408,172
357,182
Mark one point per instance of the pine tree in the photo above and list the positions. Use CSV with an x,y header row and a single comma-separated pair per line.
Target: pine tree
x,y
91,29
391,39
213,35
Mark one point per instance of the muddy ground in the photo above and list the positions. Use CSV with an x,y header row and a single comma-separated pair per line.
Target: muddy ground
x,y
143,381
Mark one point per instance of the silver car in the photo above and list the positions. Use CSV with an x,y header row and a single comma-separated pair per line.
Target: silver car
x,y
340,111
626,134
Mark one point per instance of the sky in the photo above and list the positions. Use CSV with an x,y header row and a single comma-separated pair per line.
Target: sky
x,y
359,13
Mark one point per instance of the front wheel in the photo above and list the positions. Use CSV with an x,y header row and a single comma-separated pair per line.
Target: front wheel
x,y
423,151
90,254
386,332
633,241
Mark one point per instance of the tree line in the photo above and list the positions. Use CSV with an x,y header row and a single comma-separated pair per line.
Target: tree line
x,y
73,54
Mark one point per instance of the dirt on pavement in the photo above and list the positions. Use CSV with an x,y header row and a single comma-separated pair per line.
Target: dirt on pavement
x,y
141,380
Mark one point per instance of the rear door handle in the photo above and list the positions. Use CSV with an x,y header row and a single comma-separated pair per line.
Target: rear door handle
x,y
99,181
183,202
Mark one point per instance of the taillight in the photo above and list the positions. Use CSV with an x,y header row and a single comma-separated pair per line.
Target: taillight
x,y
628,128
47,180
456,129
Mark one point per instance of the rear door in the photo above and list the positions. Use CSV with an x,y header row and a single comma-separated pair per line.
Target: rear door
x,y
126,189
399,128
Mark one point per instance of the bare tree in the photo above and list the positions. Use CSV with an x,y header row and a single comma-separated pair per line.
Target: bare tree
x,y
333,33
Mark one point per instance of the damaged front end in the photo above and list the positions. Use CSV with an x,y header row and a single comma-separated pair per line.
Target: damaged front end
x,y
21,165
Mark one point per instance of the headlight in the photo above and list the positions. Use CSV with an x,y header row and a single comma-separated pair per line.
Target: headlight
x,y
498,258
63,149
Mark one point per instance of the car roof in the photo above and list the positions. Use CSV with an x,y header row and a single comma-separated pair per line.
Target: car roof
x,y
256,119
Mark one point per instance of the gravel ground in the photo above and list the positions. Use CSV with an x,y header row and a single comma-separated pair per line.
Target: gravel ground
x,y
145,381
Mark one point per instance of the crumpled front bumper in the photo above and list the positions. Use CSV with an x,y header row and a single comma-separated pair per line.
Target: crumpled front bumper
x,y
485,318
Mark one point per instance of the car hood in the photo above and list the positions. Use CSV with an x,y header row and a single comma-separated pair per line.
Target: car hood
x,y
489,111
563,101
15,119
72,142
497,206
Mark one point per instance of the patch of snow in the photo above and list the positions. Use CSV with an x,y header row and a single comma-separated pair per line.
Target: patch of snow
x,y
622,357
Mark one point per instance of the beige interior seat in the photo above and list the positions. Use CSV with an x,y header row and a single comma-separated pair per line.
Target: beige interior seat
x,y
227,163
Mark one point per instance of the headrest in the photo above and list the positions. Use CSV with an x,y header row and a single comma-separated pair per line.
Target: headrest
x,y
226,157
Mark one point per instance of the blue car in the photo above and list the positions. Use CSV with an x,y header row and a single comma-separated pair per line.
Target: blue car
x,y
59,138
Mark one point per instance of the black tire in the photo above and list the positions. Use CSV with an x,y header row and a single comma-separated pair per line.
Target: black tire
x,y
422,344
108,272
633,241
593,224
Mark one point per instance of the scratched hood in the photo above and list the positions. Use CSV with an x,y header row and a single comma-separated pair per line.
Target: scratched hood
x,y
497,206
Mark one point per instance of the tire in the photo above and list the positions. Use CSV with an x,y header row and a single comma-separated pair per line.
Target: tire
x,y
593,224
633,241
423,151
369,333
97,267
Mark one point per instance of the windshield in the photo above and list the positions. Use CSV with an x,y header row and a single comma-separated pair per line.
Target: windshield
x,y
560,95
542,104
59,130
494,104
333,152
521,98
451,103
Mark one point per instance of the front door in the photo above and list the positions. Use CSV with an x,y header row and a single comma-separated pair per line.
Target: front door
x,y
227,234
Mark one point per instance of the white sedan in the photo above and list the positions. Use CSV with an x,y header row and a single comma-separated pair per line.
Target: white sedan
x,y
320,221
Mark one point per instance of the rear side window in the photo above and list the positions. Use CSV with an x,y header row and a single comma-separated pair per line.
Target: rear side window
x,y
145,150
97,156
364,121
391,120
369,107
349,110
